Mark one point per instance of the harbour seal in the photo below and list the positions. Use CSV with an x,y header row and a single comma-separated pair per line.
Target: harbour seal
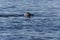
x,y
27,14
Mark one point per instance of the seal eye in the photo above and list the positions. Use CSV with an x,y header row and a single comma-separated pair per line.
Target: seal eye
x,y
27,14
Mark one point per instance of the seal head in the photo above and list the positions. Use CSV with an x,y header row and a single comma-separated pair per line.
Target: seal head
x,y
27,14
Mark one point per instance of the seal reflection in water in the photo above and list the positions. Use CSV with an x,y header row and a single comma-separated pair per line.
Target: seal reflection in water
x,y
27,15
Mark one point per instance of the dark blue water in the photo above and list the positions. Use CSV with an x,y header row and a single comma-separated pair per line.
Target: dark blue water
x,y
44,25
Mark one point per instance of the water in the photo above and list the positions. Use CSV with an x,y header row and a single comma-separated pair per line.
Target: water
x,y
44,25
